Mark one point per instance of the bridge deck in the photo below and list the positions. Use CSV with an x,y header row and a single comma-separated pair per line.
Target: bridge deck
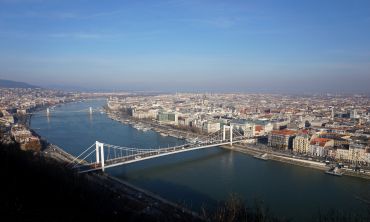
x,y
148,155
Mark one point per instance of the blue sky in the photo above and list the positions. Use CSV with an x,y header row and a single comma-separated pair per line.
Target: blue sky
x,y
188,45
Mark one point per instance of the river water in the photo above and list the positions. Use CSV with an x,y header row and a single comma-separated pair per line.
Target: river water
x,y
204,176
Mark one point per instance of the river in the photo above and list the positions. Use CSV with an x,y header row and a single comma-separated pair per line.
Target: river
x,y
204,176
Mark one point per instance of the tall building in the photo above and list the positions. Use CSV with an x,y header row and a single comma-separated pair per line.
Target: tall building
x,y
332,113
353,114
282,139
301,143
211,127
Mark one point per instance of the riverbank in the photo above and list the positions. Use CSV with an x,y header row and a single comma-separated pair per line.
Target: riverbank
x,y
271,155
245,148
163,130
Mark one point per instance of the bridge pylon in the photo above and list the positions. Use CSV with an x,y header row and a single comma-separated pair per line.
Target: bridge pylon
x,y
100,153
230,133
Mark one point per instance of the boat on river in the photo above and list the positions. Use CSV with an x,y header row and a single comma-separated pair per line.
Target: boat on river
x,y
261,156
145,129
335,171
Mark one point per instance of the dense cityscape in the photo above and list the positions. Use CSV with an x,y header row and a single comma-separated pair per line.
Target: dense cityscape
x,y
327,133
185,110
331,129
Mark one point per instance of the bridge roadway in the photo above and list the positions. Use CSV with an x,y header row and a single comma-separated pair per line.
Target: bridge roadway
x,y
150,154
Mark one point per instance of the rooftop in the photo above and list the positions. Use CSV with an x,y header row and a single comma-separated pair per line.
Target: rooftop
x,y
284,132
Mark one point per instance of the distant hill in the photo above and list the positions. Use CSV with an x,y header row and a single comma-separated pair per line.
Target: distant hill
x,y
14,84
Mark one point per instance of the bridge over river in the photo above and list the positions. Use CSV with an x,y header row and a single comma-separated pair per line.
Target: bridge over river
x,y
107,156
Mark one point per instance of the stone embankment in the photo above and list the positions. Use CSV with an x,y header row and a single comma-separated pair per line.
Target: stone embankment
x,y
248,149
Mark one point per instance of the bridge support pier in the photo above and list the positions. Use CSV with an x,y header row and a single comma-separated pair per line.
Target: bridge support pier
x,y
224,134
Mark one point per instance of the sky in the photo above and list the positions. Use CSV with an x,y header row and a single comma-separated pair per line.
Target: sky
x,y
188,45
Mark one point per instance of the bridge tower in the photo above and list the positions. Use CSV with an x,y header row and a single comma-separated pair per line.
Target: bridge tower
x,y
230,133
332,113
90,110
47,111
99,149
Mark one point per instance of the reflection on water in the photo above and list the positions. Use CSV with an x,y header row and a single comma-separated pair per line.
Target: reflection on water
x,y
90,118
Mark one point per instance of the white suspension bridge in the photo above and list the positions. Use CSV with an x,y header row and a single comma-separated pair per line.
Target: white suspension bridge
x,y
50,111
90,111
100,156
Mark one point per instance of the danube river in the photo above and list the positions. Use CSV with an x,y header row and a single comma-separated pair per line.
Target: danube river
x,y
203,176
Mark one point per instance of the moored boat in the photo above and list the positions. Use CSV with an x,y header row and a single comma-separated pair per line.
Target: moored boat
x,y
262,156
335,171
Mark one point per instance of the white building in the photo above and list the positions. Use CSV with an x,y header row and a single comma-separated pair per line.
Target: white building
x,y
320,146
244,126
211,127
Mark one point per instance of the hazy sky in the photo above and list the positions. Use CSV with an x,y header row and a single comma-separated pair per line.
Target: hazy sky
x,y
185,45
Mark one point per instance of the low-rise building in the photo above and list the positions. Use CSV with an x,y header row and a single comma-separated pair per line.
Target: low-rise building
x,y
6,117
280,124
25,138
320,146
342,153
31,143
144,114
357,153
20,133
170,118
339,140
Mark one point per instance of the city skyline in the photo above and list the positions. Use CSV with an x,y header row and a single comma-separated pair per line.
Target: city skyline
x,y
243,46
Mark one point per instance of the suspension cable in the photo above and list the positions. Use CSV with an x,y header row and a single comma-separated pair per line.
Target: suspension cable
x,y
82,153
83,159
